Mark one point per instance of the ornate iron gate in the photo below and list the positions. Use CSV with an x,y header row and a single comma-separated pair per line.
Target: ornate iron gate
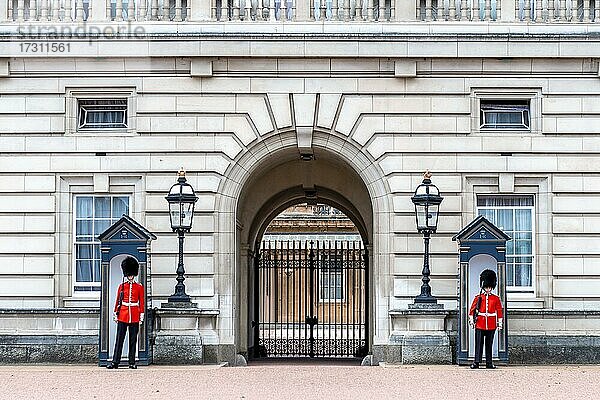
x,y
311,299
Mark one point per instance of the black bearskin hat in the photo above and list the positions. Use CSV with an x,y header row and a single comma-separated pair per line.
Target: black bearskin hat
x,y
130,266
488,279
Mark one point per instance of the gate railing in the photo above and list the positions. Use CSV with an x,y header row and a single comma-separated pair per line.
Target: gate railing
x,y
312,299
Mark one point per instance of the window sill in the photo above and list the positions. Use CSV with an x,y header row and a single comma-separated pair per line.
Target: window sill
x,y
105,132
516,303
81,301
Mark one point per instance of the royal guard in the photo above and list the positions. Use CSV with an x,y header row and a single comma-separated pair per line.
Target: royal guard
x,y
129,312
486,316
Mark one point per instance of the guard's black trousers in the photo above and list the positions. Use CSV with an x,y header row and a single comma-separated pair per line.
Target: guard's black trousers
x,y
480,335
122,328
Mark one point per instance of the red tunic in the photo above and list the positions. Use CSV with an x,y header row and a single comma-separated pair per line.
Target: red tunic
x,y
490,311
133,302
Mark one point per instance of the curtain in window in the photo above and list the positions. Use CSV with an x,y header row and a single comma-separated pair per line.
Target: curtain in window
x,y
514,216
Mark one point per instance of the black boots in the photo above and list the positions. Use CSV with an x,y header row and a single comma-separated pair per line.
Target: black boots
x,y
112,366
475,365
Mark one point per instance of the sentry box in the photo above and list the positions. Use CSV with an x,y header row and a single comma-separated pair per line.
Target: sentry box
x,y
481,246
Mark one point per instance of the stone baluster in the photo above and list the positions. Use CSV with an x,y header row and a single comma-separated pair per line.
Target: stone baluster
x,y
586,11
345,10
33,14
324,10
119,10
538,10
335,10
55,8
20,10
247,10
452,10
462,13
381,14
224,10
178,13
68,16
154,10
272,16
569,10
487,16
131,10
166,10
143,5
475,10
78,10
6,10
370,7
358,10
235,16
549,10
428,10
597,13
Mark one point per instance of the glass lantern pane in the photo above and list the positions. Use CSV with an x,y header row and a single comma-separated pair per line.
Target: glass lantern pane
x,y
432,217
175,215
421,217
187,215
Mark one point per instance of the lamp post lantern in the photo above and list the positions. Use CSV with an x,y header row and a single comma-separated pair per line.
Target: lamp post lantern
x,y
427,202
182,200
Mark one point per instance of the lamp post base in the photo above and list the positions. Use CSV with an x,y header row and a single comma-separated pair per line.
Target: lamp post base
x,y
179,303
425,306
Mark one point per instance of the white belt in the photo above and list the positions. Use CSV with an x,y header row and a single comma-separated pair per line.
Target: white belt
x,y
487,314
130,304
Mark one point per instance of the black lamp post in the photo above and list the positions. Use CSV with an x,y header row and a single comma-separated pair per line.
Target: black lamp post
x,y
182,200
427,202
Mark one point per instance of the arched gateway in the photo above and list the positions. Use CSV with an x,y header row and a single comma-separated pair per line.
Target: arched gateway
x,y
272,176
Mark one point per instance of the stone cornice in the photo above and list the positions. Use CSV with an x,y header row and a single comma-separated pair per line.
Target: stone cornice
x,y
500,44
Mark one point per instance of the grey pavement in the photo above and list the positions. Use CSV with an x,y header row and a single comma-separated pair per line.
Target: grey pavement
x,y
299,381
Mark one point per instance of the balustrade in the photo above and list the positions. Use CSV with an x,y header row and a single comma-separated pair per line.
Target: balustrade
x,y
528,11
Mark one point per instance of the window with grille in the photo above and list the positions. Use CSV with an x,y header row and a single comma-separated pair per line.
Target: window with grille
x,y
505,114
102,114
515,216
93,215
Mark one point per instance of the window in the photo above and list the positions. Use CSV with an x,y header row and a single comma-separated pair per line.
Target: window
x,y
93,215
504,114
102,113
331,279
514,215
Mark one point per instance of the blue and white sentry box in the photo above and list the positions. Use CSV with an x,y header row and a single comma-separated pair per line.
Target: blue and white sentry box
x,y
481,246
124,238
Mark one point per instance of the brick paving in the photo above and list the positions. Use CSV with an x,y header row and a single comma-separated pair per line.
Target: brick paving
x,y
300,381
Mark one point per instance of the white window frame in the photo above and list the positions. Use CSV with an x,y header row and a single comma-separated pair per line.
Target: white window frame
x,y
525,110
331,272
74,243
533,95
74,95
518,290
85,109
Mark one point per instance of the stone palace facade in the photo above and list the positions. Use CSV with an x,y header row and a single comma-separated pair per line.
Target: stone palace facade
x,y
267,104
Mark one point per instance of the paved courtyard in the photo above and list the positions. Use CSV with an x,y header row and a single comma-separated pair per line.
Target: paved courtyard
x,y
300,381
